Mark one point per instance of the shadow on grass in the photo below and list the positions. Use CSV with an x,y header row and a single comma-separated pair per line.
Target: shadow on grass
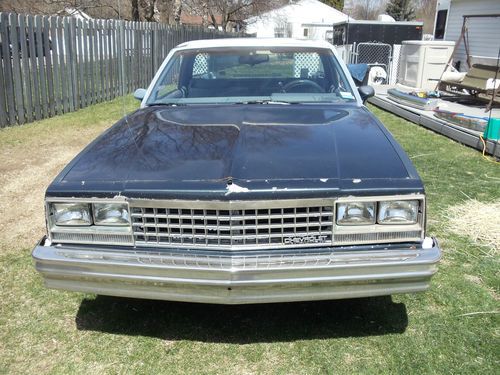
x,y
243,324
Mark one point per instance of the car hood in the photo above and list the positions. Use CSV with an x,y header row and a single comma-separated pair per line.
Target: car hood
x,y
259,146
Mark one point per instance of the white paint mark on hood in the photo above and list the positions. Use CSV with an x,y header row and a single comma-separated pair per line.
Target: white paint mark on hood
x,y
233,188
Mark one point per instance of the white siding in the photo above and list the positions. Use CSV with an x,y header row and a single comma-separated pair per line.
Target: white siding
x,y
484,33
296,15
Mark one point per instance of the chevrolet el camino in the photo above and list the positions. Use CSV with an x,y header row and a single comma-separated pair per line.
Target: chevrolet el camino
x,y
251,173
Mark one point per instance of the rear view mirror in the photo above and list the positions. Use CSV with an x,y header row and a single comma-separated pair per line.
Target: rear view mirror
x,y
253,59
139,94
366,92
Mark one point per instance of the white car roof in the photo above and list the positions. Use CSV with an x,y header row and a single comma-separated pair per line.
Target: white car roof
x,y
253,42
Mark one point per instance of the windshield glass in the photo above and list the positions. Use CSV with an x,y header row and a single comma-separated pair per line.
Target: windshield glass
x,y
244,75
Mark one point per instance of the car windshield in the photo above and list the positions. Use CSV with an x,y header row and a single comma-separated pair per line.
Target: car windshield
x,y
252,75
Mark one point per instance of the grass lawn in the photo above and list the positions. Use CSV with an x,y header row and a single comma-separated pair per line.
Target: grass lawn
x,y
453,328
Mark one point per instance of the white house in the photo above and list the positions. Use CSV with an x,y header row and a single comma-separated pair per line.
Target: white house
x,y
73,12
483,30
303,19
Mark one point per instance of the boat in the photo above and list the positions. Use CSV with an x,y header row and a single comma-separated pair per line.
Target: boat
x,y
460,119
426,104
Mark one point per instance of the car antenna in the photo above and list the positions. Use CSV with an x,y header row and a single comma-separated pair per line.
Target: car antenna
x,y
122,67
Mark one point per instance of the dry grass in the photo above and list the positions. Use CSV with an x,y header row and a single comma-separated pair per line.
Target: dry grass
x,y
30,158
478,220
21,197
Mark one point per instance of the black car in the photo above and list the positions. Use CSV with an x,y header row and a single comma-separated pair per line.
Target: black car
x,y
252,173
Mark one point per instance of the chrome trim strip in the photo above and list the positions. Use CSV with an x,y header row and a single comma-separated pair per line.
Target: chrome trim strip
x,y
231,204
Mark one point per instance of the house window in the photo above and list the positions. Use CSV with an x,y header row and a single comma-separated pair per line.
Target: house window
x,y
306,32
440,24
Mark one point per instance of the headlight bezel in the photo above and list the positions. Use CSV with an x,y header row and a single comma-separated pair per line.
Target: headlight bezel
x,y
94,222
89,234
347,235
377,202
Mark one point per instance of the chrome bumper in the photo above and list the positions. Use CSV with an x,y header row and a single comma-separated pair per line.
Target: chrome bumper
x,y
195,276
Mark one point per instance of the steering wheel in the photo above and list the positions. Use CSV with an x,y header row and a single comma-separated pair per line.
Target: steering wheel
x,y
290,86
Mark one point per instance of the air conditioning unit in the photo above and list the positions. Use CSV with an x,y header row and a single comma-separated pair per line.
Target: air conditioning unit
x,y
422,62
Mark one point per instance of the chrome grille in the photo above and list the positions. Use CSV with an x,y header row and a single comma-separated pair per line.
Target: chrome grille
x,y
233,226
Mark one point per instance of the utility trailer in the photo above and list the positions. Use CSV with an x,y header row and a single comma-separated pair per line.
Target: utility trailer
x,y
350,32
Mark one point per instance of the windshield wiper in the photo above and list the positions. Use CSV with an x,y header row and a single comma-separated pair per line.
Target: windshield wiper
x,y
263,102
166,104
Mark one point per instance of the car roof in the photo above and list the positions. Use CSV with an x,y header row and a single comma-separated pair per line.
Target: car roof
x,y
253,42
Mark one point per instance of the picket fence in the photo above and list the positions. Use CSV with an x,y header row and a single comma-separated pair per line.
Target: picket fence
x,y
51,65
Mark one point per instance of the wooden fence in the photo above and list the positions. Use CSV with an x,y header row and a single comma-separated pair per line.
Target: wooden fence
x,y
53,65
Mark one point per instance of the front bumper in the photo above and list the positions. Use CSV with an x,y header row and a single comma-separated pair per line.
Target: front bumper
x,y
195,276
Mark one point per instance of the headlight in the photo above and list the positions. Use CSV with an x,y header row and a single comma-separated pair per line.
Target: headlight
x,y
398,212
356,213
71,213
110,214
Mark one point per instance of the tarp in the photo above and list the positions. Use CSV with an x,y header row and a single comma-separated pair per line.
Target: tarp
x,y
358,71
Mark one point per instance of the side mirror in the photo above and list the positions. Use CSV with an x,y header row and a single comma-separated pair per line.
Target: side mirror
x,y
366,92
139,94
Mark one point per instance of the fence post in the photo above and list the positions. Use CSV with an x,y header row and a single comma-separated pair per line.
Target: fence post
x,y
63,66
121,55
70,74
9,85
92,52
153,49
25,68
16,67
55,65
41,66
86,99
48,64
3,104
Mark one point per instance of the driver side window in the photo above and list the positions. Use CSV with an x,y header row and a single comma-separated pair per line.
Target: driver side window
x,y
168,83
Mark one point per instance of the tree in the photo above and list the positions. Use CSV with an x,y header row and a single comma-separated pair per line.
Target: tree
x,y
177,11
135,10
95,8
150,10
226,14
337,4
367,9
425,10
401,10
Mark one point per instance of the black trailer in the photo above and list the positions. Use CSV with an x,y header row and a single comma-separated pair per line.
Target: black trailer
x,y
374,31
